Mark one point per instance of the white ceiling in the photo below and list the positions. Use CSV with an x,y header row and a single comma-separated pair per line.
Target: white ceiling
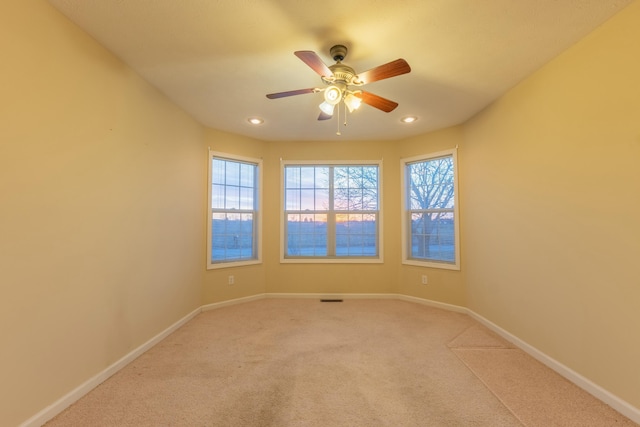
x,y
217,59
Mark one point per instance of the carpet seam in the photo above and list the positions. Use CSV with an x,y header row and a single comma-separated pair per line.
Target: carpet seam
x,y
487,385
458,336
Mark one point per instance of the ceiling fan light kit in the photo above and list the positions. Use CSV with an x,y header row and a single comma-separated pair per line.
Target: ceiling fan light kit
x,y
352,101
340,77
333,94
327,108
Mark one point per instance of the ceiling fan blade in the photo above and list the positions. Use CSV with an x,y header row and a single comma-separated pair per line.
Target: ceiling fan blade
x,y
313,60
292,93
390,69
377,101
324,116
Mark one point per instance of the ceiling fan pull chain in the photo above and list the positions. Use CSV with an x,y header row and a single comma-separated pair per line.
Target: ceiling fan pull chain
x,y
338,121
345,116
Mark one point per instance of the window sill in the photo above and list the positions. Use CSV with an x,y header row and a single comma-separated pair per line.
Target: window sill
x,y
216,266
432,264
331,261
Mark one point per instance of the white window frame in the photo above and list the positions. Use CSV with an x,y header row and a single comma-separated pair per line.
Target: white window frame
x,y
405,221
331,260
257,221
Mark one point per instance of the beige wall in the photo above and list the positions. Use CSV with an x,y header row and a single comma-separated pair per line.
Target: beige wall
x,y
103,211
101,230
551,208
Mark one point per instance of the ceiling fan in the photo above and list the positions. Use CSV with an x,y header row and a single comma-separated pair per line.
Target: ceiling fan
x,y
343,82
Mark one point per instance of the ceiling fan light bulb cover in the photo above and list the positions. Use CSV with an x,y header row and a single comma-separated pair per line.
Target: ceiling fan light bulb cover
x,y
352,102
327,108
332,95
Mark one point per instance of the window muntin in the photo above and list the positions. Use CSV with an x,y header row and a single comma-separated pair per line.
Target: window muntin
x,y
331,212
430,218
234,211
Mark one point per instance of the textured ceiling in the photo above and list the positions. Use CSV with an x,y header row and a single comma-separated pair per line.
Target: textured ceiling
x,y
217,59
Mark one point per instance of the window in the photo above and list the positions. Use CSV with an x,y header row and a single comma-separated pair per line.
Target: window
x,y
233,226
430,211
331,212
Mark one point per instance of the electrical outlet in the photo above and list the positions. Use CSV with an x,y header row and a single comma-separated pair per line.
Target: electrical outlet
x,y
231,280
425,280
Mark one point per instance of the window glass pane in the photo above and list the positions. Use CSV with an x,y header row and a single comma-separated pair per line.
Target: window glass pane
x,y
232,199
355,176
232,174
292,177
356,188
355,199
307,177
370,199
306,188
430,199
333,188
341,199
292,202
232,237
293,223
233,233
307,235
217,196
218,227
340,178
431,184
356,235
322,177
217,171
417,177
433,236
443,198
246,198
247,175
322,199
370,177
307,200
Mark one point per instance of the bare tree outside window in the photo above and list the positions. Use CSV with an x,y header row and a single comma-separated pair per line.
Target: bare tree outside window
x,y
356,188
332,211
430,198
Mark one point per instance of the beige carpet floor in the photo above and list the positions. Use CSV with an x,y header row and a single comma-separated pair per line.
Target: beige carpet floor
x,y
300,362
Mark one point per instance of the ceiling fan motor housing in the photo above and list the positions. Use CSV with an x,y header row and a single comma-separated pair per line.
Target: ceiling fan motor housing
x,y
338,52
342,73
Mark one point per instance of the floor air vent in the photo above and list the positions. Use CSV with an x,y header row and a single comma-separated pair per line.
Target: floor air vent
x,y
330,300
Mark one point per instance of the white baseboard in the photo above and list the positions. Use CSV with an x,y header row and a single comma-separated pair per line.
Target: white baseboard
x,y
236,301
600,393
67,400
331,296
435,304
590,387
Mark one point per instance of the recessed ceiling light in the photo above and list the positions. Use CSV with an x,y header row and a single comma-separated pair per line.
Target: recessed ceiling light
x,y
408,119
255,120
